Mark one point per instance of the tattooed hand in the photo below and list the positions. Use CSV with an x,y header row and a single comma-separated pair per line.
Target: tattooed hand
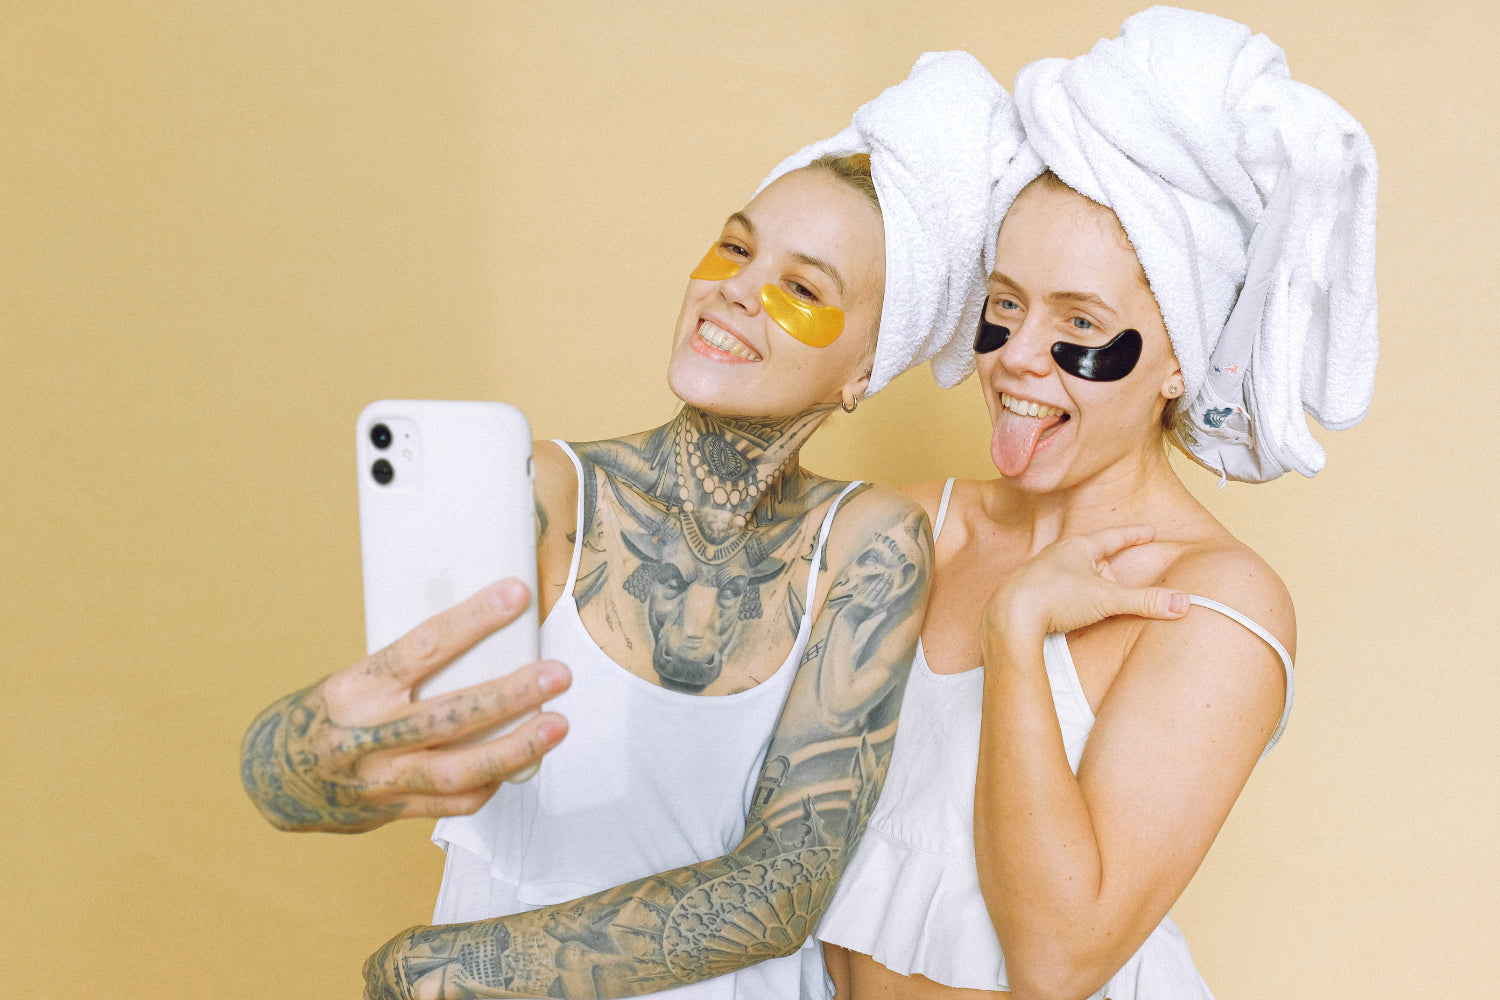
x,y
354,752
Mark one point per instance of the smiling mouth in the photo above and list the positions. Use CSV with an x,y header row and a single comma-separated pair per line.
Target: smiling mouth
x,y
1022,408
722,340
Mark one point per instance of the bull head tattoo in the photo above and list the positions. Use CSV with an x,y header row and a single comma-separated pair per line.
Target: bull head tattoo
x,y
696,595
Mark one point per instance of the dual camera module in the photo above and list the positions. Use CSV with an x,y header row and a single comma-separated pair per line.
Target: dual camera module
x,y
381,471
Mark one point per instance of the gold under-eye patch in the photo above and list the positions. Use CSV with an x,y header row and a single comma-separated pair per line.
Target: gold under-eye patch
x,y
815,326
714,267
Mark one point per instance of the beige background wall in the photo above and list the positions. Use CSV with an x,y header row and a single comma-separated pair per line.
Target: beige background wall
x,y
226,227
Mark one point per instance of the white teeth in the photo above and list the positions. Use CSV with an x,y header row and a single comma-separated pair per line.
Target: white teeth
x,y
714,336
1027,409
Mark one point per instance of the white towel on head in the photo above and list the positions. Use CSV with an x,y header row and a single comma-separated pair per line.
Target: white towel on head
x,y
938,143
1224,171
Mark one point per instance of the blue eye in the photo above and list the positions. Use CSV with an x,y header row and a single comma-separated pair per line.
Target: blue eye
x,y
1079,323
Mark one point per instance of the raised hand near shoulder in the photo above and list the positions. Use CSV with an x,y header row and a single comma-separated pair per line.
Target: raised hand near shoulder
x,y
354,751
1070,584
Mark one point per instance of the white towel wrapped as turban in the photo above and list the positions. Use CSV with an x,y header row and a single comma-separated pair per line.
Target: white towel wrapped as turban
x,y
939,143
1224,173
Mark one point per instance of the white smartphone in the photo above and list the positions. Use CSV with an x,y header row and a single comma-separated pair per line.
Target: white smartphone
x,y
446,507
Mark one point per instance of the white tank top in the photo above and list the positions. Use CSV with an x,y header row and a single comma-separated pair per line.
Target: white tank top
x,y
910,897
647,780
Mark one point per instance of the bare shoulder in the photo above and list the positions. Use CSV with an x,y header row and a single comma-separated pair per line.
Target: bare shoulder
x,y
928,495
1229,572
1220,682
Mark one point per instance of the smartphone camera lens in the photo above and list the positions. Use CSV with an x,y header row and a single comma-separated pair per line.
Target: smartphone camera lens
x,y
380,437
381,471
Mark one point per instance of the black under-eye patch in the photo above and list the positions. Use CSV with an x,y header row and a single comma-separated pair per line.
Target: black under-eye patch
x,y
990,336
1109,363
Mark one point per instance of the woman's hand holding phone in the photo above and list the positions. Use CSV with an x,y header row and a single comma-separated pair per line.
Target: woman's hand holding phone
x,y
355,751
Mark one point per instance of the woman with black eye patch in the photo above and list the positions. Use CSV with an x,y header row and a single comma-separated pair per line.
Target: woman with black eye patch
x,y
1102,663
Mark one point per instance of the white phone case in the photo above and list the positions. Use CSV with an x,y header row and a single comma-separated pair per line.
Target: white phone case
x,y
446,507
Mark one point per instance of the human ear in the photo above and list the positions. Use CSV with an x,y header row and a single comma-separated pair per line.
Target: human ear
x,y
854,390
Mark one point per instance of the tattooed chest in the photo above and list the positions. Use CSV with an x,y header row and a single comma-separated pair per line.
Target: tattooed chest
x,y
690,612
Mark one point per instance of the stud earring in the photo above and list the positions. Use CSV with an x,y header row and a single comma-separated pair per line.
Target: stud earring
x,y
1173,389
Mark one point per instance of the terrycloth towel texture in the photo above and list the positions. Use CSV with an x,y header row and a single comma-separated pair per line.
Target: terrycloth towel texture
x,y
939,143
1226,172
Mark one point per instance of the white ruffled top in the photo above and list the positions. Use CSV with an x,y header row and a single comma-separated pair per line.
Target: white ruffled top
x,y
910,897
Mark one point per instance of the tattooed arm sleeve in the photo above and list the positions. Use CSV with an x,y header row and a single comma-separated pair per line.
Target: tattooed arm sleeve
x,y
821,777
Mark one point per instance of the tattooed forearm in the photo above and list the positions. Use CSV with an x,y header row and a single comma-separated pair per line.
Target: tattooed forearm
x,y
660,932
713,918
290,766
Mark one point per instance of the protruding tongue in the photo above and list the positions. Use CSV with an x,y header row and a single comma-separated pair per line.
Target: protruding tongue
x,y
1015,440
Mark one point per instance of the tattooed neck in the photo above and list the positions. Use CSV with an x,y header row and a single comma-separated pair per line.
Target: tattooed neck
x,y
735,468
730,472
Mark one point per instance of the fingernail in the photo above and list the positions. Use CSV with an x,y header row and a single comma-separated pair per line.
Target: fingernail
x,y
551,730
553,678
508,594
1178,603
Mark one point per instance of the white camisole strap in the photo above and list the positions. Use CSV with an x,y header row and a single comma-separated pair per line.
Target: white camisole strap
x,y
812,572
937,524
577,517
1286,659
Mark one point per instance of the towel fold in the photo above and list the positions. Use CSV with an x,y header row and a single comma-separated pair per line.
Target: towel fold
x,y
939,145
1250,201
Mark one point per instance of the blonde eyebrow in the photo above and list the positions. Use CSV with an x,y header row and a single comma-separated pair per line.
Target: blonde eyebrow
x,y
742,219
821,265
1086,298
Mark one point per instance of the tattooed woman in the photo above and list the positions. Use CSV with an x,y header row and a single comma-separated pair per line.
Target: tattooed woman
x,y
1078,721
738,629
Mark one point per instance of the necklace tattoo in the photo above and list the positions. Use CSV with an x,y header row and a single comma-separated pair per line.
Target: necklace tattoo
x,y
730,470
